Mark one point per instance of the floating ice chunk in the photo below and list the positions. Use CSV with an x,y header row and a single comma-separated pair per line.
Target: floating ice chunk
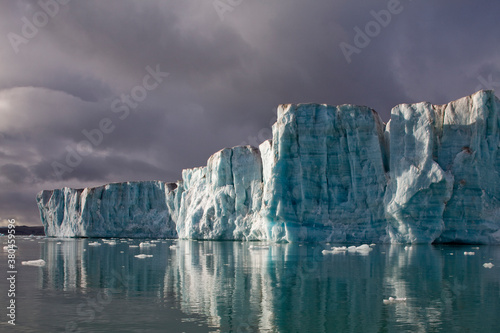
x,y
38,263
173,247
91,244
393,300
146,244
469,253
258,247
142,256
336,250
488,265
372,244
133,246
362,249
112,243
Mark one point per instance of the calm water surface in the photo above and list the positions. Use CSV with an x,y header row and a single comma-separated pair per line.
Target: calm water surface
x,y
189,286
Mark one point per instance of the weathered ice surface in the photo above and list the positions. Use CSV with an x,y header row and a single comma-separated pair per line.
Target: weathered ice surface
x,y
330,173
327,176
132,209
222,200
444,171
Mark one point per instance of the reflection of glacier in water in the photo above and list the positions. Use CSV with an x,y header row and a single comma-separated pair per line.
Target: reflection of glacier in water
x,y
286,287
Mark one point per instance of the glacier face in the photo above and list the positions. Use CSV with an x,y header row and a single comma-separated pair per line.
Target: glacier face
x,y
327,175
132,209
444,171
330,173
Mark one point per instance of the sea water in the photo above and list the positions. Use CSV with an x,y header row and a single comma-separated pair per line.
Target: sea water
x,y
121,285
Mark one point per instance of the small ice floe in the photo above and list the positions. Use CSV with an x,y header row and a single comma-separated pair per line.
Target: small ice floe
x,y
38,263
94,244
475,248
372,244
488,265
173,247
142,256
393,300
362,249
112,243
59,243
335,250
146,244
258,247
133,246
469,253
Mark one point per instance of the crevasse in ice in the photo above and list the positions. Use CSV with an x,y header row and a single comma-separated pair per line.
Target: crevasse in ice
x,y
330,173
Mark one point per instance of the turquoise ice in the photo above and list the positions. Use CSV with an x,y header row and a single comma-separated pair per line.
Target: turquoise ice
x,y
330,173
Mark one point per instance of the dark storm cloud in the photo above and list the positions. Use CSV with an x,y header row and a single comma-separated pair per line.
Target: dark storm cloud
x,y
225,78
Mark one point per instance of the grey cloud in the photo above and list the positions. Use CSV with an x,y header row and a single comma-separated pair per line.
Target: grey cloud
x,y
17,174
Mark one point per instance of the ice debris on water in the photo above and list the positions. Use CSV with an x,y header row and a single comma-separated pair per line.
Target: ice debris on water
x,y
393,300
488,265
362,249
146,244
38,263
142,256
258,247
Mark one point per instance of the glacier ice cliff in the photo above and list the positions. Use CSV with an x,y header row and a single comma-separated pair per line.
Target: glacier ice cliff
x,y
132,209
330,173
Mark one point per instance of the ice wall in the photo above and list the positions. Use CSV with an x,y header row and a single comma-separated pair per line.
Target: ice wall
x,y
222,200
444,171
132,209
330,173
326,176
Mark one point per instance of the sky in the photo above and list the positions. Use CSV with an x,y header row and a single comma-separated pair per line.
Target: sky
x,y
93,92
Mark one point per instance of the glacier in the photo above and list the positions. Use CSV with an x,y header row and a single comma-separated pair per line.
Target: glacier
x,y
329,174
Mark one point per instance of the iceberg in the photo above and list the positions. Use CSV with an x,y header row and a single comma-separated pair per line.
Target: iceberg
x,y
132,209
330,174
